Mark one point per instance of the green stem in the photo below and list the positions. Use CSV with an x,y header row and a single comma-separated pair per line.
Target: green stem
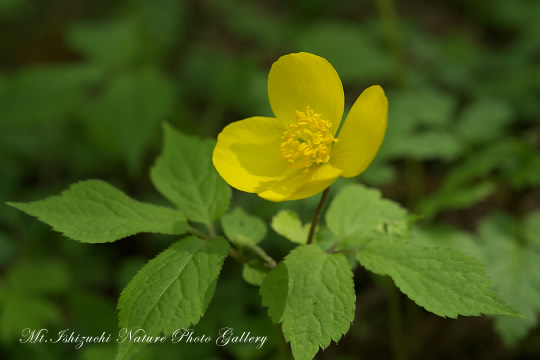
x,y
237,256
316,216
198,233
211,231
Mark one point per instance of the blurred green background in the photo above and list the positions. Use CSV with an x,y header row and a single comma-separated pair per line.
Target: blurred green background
x,y
86,85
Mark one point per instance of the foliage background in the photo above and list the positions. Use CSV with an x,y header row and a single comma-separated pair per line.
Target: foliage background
x,y
86,85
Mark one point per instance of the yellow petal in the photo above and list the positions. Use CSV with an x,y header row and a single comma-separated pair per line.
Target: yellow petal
x,y
247,154
300,80
299,185
362,133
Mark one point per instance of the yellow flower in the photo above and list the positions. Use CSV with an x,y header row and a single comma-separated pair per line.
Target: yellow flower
x,y
296,154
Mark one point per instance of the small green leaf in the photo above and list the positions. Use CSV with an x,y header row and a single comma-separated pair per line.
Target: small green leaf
x,y
312,294
184,174
93,211
443,281
171,291
358,214
242,228
254,272
287,223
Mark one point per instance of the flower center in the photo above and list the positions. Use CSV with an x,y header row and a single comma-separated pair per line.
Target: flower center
x,y
307,141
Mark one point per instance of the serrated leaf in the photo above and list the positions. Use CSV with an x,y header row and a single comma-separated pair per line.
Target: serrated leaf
x,y
287,223
443,281
93,211
242,228
184,174
171,291
312,294
358,214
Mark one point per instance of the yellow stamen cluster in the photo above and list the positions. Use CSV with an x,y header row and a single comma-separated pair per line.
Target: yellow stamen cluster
x,y
307,141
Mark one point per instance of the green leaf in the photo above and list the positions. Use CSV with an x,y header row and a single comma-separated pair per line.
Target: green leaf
x,y
93,211
184,174
357,214
287,223
515,268
254,272
242,228
171,291
312,294
443,281
127,115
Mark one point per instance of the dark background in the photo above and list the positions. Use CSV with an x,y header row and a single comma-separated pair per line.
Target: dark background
x,y
86,85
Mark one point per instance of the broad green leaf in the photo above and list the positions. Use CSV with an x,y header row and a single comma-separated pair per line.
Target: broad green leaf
x,y
172,291
358,214
254,272
287,223
443,281
448,237
515,270
312,294
93,211
184,174
242,228
126,116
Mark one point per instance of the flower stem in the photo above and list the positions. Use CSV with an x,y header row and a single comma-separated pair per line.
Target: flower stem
x,y
317,215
